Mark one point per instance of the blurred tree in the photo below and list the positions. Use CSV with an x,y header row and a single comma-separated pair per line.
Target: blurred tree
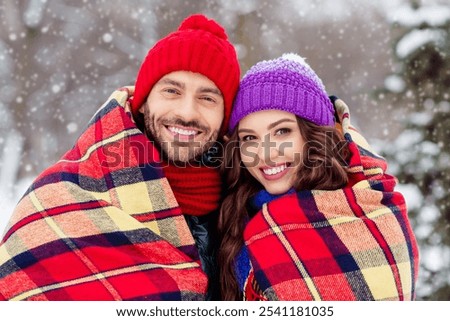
x,y
420,156
43,41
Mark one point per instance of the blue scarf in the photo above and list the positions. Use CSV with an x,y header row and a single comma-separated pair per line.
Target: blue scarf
x,y
242,262
263,197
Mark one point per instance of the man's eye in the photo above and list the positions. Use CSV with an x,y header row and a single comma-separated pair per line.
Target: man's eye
x,y
171,91
209,99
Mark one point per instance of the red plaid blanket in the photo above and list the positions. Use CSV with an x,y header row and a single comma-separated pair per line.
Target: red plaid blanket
x,y
354,243
101,224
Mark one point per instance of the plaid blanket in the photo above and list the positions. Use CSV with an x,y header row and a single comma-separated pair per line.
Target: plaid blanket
x,y
101,224
355,243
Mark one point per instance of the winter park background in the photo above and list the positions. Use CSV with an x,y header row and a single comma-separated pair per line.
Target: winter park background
x,y
389,60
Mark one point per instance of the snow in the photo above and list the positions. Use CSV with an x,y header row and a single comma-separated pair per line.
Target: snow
x,y
429,148
412,195
34,13
433,258
12,37
107,37
10,190
9,199
239,6
337,10
435,15
418,38
72,127
420,118
57,92
407,139
394,83
241,51
56,88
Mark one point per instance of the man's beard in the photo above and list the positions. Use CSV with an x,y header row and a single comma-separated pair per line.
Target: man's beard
x,y
179,151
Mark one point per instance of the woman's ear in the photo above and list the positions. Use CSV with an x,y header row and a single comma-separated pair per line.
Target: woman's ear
x,y
226,138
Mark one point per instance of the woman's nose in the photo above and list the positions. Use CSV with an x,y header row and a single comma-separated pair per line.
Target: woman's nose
x,y
268,150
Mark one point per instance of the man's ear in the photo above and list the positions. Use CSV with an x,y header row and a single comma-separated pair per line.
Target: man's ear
x,y
226,138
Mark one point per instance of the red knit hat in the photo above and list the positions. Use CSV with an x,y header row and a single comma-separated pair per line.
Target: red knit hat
x,y
199,45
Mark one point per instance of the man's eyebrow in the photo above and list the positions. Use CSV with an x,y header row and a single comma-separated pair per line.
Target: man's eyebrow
x,y
168,81
211,90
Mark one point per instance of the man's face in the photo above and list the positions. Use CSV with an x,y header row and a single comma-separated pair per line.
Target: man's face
x,y
183,113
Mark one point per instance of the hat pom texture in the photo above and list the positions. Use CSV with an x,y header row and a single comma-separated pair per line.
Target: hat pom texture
x,y
200,22
287,83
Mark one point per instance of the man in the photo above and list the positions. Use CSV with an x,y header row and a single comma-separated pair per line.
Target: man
x,y
127,213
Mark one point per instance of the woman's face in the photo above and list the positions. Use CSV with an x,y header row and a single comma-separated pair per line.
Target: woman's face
x,y
271,148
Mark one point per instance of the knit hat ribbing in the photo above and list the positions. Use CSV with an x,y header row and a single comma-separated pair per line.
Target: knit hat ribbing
x,y
287,83
199,45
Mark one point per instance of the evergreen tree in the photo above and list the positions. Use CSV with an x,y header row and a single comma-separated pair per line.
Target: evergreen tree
x,y
420,155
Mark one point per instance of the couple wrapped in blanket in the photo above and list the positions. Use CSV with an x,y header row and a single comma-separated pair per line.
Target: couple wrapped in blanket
x,y
98,227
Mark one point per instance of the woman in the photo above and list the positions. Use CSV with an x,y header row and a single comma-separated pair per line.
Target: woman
x,y
309,215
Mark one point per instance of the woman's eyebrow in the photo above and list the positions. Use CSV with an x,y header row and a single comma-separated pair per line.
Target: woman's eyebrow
x,y
272,125
275,124
245,130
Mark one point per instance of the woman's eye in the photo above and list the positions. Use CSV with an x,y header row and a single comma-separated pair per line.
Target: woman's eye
x,y
282,131
248,138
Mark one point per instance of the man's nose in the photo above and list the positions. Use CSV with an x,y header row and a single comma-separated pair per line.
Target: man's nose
x,y
187,109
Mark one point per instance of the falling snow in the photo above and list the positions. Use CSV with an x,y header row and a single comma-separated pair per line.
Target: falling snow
x,y
394,83
72,128
107,37
60,60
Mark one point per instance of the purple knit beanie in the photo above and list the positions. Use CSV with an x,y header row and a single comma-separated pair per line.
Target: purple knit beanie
x,y
287,83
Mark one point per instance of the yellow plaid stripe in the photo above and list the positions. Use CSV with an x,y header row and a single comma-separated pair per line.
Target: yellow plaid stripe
x,y
279,233
103,276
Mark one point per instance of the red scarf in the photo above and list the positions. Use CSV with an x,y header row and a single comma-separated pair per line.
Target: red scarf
x,y
197,189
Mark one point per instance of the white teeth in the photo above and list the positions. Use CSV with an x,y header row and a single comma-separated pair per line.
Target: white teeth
x,y
274,170
180,131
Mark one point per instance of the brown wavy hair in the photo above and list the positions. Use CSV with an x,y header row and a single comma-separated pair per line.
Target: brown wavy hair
x,y
323,167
